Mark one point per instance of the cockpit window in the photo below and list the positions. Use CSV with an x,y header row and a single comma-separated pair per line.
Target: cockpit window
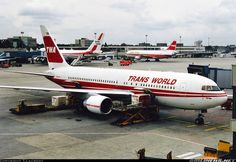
x,y
210,88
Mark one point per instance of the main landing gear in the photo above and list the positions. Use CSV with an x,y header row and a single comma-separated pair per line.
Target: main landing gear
x,y
199,120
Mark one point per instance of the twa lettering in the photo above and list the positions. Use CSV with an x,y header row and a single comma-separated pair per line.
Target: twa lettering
x,y
153,81
51,50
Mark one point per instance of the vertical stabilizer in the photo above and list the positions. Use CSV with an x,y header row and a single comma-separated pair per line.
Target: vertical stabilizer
x,y
96,46
55,58
172,46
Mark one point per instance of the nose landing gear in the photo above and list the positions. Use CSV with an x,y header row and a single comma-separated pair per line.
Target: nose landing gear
x,y
199,120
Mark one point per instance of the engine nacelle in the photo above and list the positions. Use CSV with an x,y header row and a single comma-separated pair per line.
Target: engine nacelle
x,y
98,104
138,57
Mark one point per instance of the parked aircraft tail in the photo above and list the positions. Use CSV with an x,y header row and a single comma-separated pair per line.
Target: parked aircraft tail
x,y
172,46
96,46
55,58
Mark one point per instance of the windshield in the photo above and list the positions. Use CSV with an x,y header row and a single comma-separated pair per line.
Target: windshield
x,y
210,88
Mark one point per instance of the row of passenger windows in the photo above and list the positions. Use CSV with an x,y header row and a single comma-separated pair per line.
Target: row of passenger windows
x,y
150,85
125,83
93,80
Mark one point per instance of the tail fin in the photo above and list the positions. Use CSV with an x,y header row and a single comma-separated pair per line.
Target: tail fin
x,y
96,46
172,46
55,58
101,36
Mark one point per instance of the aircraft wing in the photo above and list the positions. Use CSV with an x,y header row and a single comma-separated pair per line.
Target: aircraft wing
x,y
108,92
30,73
4,59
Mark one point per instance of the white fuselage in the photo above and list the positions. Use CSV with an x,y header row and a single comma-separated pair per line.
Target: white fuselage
x,y
75,52
151,53
180,90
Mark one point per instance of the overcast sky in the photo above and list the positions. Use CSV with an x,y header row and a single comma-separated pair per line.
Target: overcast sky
x,y
122,21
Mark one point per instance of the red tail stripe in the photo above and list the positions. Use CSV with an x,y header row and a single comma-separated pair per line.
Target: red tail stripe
x,y
100,37
172,46
52,51
94,48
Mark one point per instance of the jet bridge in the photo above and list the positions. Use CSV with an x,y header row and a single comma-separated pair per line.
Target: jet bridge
x,y
221,76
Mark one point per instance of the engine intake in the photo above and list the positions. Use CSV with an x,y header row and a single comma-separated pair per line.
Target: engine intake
x,y
98,104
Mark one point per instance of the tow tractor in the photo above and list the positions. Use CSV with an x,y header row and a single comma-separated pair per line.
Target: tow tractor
x,y
223,151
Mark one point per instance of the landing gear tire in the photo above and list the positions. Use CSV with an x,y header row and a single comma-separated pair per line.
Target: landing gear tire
x,y
157,112
199,121
157,109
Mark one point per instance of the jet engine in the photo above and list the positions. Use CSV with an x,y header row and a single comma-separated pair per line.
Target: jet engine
x,y
98,104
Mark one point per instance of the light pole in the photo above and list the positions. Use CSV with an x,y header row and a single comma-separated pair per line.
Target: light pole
x,y
180,37
146,39
95,35
208,41
22,33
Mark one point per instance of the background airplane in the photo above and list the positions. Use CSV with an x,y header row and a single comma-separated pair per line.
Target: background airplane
x,y
73,56
97,87
156,54
94,48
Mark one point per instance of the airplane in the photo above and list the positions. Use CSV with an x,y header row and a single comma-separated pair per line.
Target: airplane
x,y
98,87
6,57
79,55
94,48
157,54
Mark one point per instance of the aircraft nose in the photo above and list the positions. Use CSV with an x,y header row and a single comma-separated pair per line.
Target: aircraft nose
x,y
223,99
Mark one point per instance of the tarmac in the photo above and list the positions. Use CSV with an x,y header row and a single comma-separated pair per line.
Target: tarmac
x,y
66,134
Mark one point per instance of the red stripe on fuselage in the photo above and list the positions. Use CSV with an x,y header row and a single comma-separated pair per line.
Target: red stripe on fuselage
x,y
74,54
77,53
151,55
106,86
63,83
